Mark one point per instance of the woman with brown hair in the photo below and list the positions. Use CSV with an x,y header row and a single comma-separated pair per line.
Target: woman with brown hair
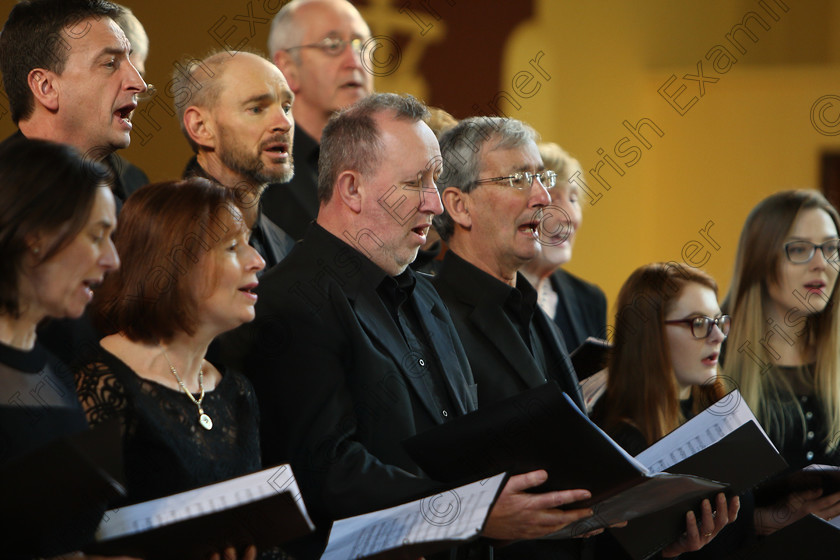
x,y
663,365
662,370
784,350
188,275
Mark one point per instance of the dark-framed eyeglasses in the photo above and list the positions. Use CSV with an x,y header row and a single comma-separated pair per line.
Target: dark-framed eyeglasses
x,y
801,252
701,326
332,46
523,180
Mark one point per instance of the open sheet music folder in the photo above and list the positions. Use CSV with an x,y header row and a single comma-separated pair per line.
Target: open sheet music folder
x,y
724,442
542,429
419,528
53,497
263,508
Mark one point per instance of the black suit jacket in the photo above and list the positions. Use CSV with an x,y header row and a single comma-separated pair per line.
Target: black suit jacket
x,y
338,393
581,308
502,364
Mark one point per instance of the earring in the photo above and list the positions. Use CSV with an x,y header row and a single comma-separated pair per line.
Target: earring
x,y
36,250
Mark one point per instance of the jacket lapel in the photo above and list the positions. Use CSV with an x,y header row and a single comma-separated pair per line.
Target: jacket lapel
x,y
566,299
380,325
564,372
491,321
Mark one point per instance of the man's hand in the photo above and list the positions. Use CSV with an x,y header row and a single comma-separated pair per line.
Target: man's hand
x,y
796,506
522,515
711,524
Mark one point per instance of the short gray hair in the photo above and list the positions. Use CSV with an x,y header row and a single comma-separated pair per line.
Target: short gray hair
x,y
284,33
351,141
460,148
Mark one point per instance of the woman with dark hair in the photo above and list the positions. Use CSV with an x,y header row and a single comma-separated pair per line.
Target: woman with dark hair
x,y
188,275
784,350
56,218
662,370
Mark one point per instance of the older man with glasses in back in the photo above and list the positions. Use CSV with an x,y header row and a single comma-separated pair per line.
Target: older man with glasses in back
x,y
317,45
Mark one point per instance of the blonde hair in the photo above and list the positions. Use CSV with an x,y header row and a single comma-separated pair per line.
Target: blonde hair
x,y
558,160
769,393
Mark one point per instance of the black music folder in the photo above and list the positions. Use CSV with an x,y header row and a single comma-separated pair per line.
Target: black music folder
x,y
542,429
53,497
590,357
809,538
263,508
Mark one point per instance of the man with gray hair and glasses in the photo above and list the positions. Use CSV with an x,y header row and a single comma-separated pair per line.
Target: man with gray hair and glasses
x,y
317,45
494,188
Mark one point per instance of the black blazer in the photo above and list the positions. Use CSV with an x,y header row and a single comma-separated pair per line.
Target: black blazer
x,y
581,308
337,391
501,362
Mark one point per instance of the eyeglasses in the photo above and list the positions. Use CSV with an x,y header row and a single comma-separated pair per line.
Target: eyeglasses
x,y
800,252
701,326
522,181
333,46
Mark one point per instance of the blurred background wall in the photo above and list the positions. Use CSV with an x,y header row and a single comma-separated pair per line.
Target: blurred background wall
x,y
728,101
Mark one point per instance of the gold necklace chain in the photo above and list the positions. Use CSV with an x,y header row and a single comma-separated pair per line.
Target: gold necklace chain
x,y
203,419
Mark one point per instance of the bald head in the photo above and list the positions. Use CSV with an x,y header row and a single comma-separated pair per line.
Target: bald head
x,y
237,117
318,46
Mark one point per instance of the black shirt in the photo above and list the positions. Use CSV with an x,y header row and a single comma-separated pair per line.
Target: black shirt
x,y
519,304
395,292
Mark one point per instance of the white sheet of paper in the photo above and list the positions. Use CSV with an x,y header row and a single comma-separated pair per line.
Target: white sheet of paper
x,y
458,514
201,501
710,426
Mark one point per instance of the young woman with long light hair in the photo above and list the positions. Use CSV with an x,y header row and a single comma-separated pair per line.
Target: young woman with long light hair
x,y
784,349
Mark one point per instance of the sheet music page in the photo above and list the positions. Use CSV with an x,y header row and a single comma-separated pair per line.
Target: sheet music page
x,y
201,501
457,514
710,426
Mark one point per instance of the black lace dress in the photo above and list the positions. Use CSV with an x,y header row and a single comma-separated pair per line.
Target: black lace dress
x,y
166,450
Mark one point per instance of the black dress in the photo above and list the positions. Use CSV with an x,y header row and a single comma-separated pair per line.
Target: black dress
x,y
166,451
38,405
805,443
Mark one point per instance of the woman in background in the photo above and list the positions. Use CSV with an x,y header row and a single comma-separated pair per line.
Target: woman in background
x,y
784,350
662,370
576,306
188,275
57,214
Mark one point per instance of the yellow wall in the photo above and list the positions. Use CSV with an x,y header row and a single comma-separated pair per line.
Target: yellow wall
x,y
749,135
